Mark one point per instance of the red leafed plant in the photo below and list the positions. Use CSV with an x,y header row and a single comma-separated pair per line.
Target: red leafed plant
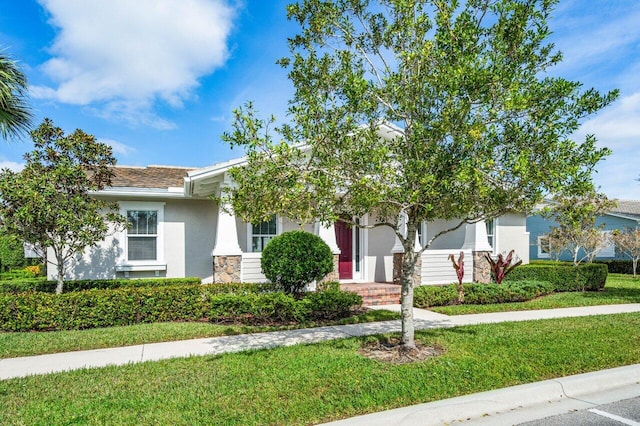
x,y
501,266
459,267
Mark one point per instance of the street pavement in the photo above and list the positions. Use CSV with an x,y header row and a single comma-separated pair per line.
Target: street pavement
x,y
507,406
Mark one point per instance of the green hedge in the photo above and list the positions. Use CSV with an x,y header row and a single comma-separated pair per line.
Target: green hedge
x,y
618,266
563,276
267,308
99,308
477,294
48,286
41,311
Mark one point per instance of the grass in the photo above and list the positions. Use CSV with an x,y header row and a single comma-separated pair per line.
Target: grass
x,y
322,382
619,289
37,343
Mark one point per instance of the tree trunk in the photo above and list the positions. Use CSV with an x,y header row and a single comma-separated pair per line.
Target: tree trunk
x,y
60,277
406,279
635,265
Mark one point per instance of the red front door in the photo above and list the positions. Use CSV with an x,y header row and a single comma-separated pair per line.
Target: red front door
x,y
345,260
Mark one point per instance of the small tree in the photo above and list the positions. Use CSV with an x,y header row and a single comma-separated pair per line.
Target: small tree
x,y
11,252
501,266
48,203
628,243
294,259
576,229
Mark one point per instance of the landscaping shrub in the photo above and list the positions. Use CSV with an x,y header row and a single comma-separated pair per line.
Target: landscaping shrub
x,y
477,294
99,308
268,308
241,288
40,285
564,276
294,259
618,266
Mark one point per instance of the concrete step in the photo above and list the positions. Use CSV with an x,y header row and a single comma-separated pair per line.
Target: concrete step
x,y
375,293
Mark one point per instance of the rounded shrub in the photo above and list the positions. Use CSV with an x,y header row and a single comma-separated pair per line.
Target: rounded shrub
x,y
294,259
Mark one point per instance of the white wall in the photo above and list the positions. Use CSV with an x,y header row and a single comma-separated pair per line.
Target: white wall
x,y
511,234
438,269
379,260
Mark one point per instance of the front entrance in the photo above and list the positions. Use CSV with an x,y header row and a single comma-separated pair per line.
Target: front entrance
x,y
344,239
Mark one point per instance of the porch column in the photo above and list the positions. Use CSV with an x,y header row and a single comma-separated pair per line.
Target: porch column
x,y
227,255
475,239
328,235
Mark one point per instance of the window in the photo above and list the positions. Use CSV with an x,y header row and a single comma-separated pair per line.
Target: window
x,y
422,233
491,233
544,250
609,250
262,233
142,235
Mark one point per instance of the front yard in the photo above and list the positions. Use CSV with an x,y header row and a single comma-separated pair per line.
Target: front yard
x,y
315,383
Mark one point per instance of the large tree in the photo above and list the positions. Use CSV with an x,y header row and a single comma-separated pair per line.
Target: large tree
x,y
478,125
49,203
15,113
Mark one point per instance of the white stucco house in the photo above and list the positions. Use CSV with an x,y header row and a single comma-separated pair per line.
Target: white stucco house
x,y
176,230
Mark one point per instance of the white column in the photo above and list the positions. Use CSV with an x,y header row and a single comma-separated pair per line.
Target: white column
x,y
226,234
328,235
402,227
475,237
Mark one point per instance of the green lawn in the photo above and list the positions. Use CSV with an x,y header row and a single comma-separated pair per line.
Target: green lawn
x,y
620,288
322,382
36,343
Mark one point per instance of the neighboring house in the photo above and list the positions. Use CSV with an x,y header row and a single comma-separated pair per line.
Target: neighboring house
x,y
176,230
625,215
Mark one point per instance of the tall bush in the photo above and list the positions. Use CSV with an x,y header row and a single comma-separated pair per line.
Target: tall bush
x,y
294,259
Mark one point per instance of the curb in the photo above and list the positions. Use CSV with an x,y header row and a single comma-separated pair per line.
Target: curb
x,y
514,404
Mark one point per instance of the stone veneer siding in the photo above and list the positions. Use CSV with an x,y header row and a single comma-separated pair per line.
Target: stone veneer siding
x,y
226,269
481,267
335,274
397,270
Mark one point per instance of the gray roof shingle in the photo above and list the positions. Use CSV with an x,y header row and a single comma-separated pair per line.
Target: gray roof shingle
x,y
149,177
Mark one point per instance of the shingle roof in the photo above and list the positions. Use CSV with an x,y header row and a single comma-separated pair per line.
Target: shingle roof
x,y
629,208
149,177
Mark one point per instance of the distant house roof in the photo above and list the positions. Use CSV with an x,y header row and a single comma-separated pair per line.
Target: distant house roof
x,y
149,177
627,208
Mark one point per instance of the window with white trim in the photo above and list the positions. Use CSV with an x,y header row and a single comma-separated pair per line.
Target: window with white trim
x,y
544,249
491,233
262,233
142,235
610,250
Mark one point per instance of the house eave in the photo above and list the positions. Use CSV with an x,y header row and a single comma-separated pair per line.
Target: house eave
x,y
141,192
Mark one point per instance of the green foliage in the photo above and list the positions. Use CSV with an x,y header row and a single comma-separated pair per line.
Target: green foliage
x,y
15,113
40,311
269,308
485,126
563,276
575,214
41,285
618,266
294,259
48,203
478,294
11,252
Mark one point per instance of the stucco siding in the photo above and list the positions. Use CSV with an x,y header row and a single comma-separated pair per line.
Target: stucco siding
x,y
511,234
450,240
379,260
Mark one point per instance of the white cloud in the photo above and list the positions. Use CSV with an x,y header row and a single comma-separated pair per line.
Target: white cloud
x,y
11,165
118,147
125,55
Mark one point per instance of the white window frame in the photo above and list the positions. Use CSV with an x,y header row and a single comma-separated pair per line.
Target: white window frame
x,y
124,264
493,242
541,253
250,234
422,233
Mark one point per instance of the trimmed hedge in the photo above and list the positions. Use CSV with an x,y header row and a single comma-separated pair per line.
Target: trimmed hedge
x,y
267,308
563,276
238,303
618,266
480,294
34,311
49,286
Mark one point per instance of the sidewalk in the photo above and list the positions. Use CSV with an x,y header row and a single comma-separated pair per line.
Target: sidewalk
x,y
498,407
43,364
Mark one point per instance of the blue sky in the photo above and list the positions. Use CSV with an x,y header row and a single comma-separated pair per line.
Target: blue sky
x,y
158,79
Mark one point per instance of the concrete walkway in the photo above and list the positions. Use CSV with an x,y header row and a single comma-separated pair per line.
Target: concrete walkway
x,y
503,406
